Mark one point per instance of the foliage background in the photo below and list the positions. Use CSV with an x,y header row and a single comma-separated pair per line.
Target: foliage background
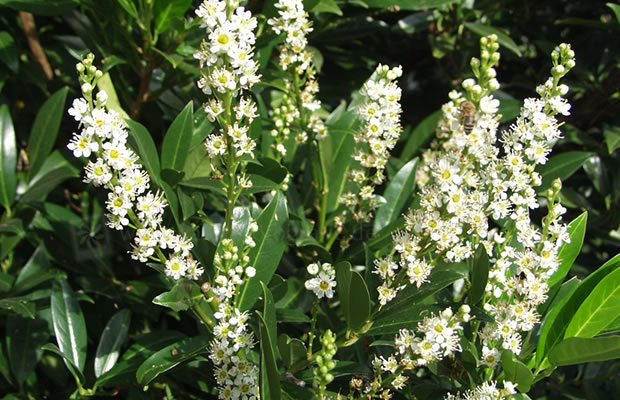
x,y
148,54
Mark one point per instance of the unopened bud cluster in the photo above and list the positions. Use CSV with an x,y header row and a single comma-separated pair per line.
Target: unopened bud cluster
x,y
324,363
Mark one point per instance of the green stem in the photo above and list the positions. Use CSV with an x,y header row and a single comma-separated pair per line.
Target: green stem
x,y
315,309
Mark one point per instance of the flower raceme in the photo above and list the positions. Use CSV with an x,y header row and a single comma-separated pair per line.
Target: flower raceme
x,y
131,203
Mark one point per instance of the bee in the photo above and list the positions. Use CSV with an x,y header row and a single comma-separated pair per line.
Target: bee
x,y
468,116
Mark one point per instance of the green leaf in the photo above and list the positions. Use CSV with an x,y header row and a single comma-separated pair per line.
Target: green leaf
x,y
171,356
165,10
292,350
205,183
45,129
55,170
616,9
353,295
19,305
269,377
517,372
24,338
8,158
561,166
328,6
37,270
612,134
42,7
502,38
270,245
576,350
8,51
408,4
181,297
479,275
569,251
141,141
396,195
130,7
112,338
175,147
69,325
601,306
77,374
240,225
5,369
105,83
342,145
422,133
550,335
405,317
198,163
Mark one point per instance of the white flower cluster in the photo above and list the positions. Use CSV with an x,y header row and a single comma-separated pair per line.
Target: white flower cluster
x,y
439,338
323,281
116,167
380,115
293,20
228,54
486,391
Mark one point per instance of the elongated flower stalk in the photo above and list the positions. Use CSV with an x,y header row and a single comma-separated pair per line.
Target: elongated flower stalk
x,y
380,129
468,185
295,113
228,71
114,166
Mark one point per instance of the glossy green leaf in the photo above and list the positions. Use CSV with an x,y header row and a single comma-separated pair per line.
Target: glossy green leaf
x,y
422,133
45,130
175,147
568,252
353,295
269,377
77,374
327,6
517,372
612,136
69,324
5,369
55,170
576,350
8,51
292,350
240,225
198,163
342,146
397,194
8,158
18,305
171,356
601,306
552,334
188,207
502,38
440,277
405,317
181,297
42,7
479,275
112,338
37,270
561,166
164,10
205,183
24,338
141,141
270,245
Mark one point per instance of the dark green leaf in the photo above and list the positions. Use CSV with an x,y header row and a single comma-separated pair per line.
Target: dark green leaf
x,y
328,6
270,244
55,170
561,166
24,338
575,350
77,374
171,356
181,297
408,4
8,51
612,135
240,225
396,195
165,10
517,372
342,145
69,325
269,377
293,316
188,207
268,168
422,133
19,305
37,270
141,141
5,369
502,38
8,157
198,163
45,129
175,147
405,317
479,275
292,350
353,295
569,251
601,306
112,338
205,183
130,7
42,7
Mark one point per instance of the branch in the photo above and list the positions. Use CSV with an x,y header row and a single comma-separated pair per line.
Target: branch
x,y
30,29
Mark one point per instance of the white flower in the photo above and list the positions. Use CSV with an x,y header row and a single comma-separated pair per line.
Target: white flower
x,y
175,267
82,145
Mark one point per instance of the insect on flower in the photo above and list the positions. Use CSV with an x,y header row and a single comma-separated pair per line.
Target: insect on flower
x,y
468,116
